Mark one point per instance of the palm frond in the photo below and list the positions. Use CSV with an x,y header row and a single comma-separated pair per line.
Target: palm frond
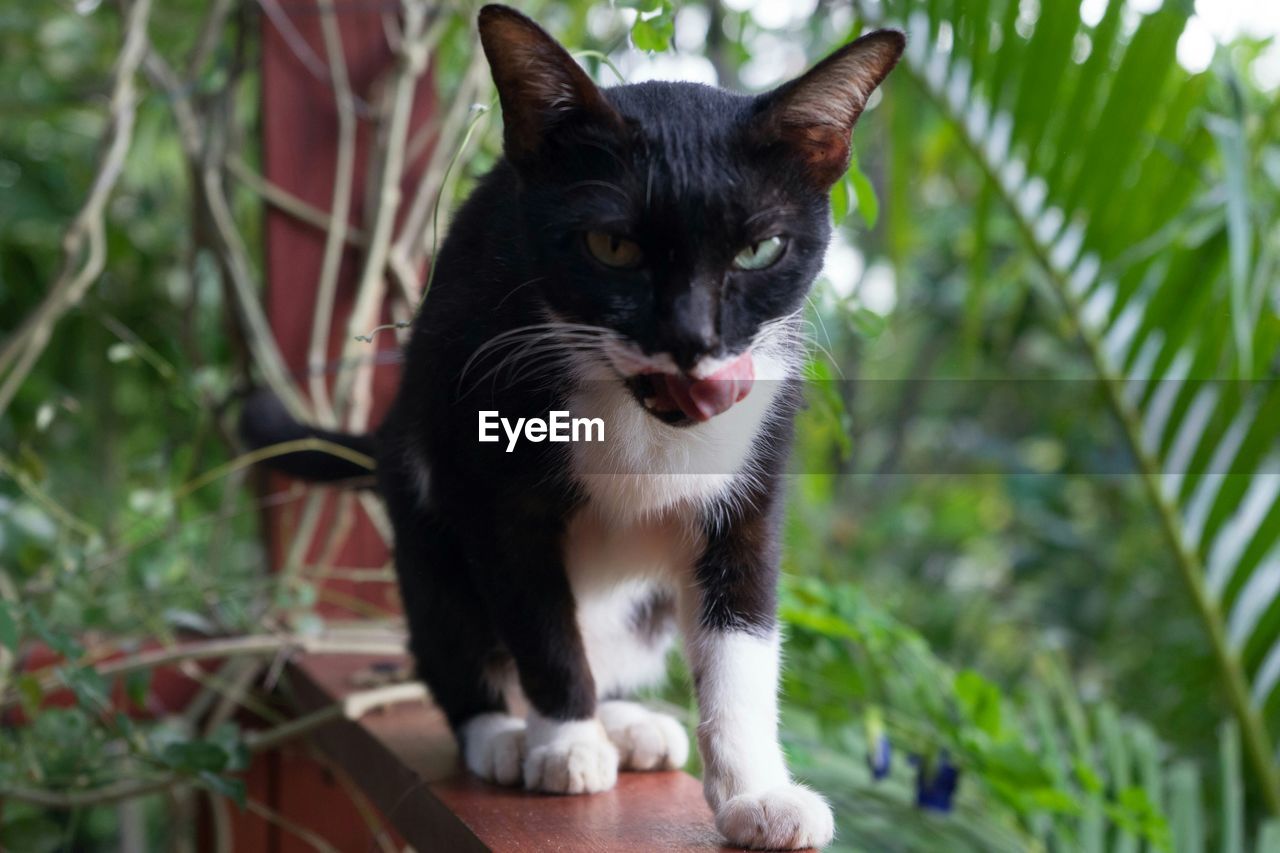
x,y
1133,198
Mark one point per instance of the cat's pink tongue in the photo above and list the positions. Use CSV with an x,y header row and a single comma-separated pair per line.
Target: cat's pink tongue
x,y
703,399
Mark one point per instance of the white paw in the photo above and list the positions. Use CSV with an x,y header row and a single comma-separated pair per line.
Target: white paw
x,y
573,757
790,817
493,747
646,740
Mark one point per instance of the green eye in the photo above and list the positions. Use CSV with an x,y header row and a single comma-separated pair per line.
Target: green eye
x,y
760,255
614,251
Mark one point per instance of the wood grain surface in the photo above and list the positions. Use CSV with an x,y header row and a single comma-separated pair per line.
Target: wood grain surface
x,y
406,761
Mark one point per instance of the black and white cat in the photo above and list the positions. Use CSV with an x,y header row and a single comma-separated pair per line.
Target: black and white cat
x,y
641,256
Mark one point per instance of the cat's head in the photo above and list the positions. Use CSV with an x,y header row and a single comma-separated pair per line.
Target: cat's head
x,y
684,219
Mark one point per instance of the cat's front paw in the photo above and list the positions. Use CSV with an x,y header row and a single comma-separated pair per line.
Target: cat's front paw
x,y
790,817
493,747
572,757
646,740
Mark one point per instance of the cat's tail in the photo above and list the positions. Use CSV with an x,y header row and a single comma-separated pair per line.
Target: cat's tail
x,y
265,423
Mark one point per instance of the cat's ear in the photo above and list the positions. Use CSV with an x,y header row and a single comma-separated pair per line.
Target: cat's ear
x,y
540,85
813,115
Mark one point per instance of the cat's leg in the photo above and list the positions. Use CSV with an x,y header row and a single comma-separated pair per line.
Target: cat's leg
x,y
730,624
528,596
628,631
452,639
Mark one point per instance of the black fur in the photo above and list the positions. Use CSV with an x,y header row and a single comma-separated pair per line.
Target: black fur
x,y
264,421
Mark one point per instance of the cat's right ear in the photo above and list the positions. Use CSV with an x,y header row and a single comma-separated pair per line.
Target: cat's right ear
x,y
813,115
540,85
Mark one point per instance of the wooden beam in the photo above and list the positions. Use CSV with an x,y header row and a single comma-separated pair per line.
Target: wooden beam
x,y
406,761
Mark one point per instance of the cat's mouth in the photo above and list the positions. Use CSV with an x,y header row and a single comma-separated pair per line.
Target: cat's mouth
x,y
680,400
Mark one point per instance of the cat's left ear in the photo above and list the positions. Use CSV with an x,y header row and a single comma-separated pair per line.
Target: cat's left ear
x,y
540,85
813,115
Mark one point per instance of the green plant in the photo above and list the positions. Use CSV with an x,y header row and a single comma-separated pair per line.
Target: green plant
x,y
1157,241
1058,198
1041,768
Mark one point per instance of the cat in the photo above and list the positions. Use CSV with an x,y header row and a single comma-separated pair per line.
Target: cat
x,y
640,255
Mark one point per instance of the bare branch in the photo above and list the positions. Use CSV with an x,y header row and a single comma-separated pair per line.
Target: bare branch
x,y
415,45
409,250
204,144
272,816
281,198
255,644
207,40
84,244
340,212
353,707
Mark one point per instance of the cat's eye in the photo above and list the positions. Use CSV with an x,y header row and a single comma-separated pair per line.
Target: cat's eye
x,y
760,255
614,251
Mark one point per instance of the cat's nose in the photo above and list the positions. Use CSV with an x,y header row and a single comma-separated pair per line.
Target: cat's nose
x,y
689,340
689,331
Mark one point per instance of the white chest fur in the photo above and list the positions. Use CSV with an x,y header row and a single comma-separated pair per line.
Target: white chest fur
x,y
612,570
645,468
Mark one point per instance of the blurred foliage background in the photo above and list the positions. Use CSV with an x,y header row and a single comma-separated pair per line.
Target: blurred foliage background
x,y
1033,536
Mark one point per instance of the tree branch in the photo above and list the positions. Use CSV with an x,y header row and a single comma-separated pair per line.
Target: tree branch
x,y
339,215
84,244
351,387
254,644
352,707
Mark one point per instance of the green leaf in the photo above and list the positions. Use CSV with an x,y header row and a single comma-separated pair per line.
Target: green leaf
x,y
1185,809
854,191
654,29
1135,812
1017,765
980,700
1269,836
1089,780
1231,836
1132,162
820,623
868,204
1051,800
1230,136
841,192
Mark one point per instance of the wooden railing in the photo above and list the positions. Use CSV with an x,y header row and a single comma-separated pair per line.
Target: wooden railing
x,y
404,759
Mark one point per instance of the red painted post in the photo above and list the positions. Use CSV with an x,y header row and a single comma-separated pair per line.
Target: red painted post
x,y
300,141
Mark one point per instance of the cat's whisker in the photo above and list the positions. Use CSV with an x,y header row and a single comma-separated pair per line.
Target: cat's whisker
x,y
513,337
817,315
536,364
518,287
811,338
535,354
513,356
606,185
590,143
